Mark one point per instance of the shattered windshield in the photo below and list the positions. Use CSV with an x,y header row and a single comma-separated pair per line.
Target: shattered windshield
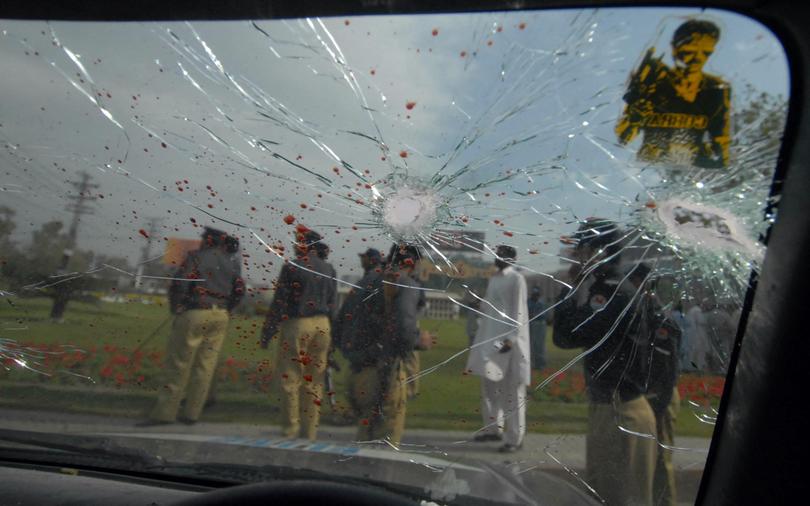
x,y
516,242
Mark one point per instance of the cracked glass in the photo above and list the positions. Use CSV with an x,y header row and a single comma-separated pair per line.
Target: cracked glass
x,y
499,257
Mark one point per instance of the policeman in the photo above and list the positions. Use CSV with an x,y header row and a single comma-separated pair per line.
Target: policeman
x,y
412,362
379,330
661,337
207,287
537,329
301,312
682,111
596,315
371,259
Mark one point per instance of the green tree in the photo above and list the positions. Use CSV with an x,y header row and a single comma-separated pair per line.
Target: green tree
x,y
8,252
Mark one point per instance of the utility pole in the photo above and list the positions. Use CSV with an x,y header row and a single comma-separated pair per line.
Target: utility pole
x,y
146,253
78,205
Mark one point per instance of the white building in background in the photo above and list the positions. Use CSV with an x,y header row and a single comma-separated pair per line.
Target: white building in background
x,y
439,306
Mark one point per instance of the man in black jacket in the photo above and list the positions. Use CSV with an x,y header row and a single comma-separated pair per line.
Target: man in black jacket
x,y
207,286
662,365
301,314
379,329
597,315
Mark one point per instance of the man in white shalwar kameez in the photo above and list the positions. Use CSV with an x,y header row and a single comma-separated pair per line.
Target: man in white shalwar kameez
x,y
500,355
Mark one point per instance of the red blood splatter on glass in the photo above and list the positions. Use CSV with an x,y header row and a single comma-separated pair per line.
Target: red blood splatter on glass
x,y
144,233
308,378
435,32
317,402
403,154
508,234
410,105
303,206
289,219
364,421
373,72
463,54
347,22
522,26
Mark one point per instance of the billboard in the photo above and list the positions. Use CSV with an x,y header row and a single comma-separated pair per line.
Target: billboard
x,y
177,249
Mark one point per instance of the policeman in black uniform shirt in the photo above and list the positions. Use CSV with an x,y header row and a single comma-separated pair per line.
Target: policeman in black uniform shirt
x,y
660,339
300,315
598,316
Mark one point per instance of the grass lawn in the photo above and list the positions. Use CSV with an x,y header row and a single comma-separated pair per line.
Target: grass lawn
x,y
448,398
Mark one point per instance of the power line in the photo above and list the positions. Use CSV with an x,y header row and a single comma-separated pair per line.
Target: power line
x,y
146,252
79,205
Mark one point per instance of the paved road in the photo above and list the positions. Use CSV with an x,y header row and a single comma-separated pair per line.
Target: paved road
x,y
557,453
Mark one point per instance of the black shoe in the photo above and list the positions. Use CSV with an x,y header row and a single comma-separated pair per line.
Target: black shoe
x,y
507,448
152,423
186,421
483,437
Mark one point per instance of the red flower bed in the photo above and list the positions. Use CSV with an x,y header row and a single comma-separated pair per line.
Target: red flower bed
x,y
107,365
569,386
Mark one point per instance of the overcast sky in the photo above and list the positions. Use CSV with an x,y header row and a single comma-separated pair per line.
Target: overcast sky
x,y
520,106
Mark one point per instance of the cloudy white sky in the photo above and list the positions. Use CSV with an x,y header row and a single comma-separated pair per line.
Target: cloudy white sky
x,y
519,106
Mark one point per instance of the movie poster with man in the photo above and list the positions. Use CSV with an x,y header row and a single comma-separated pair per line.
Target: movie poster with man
x,y
681,112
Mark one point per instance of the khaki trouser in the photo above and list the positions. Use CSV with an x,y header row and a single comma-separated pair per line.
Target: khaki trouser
x,y
620,465
664,491
300,369
412,368
364,390
191,360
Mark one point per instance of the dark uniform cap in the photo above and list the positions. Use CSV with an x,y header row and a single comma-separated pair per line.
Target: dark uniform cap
x,y
213,232
372,254
641,270
404,253
311,237
596,233
214,237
